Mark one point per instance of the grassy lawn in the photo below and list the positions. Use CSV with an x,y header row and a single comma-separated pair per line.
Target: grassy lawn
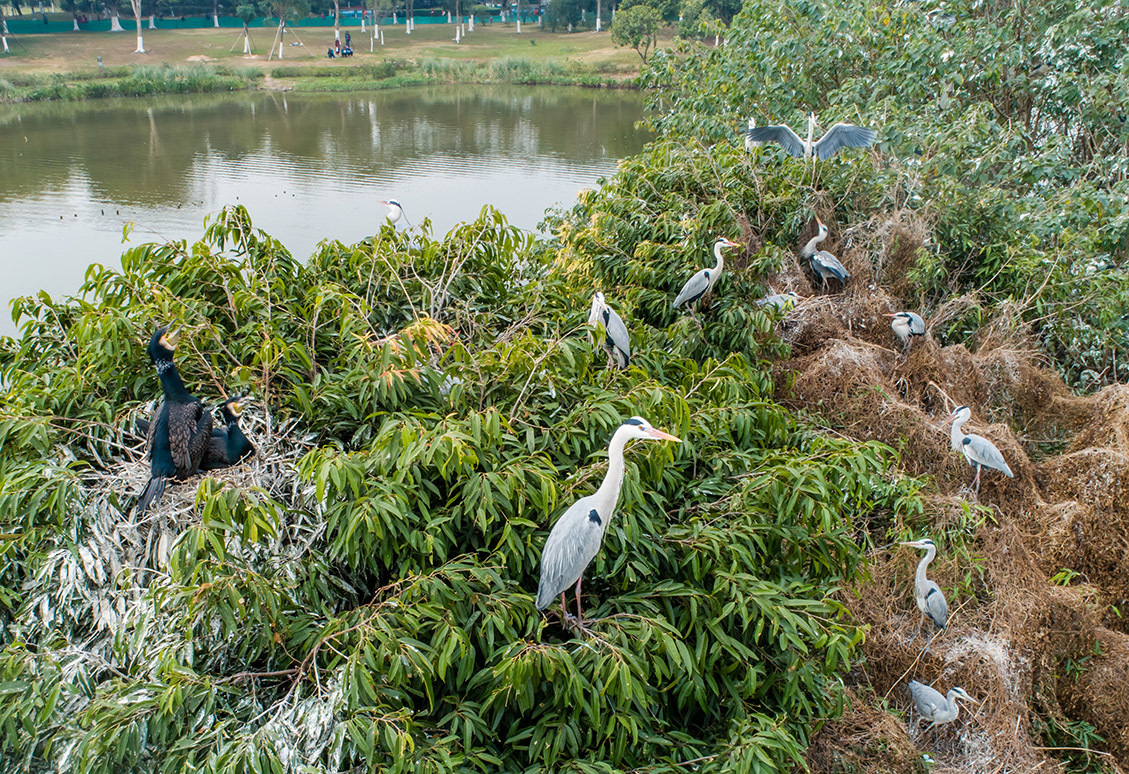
x,y
71,52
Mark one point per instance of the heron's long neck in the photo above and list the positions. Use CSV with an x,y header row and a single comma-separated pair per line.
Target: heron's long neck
x,y
924,563
811,135
809,248
954,707
720,261
956,434
608,494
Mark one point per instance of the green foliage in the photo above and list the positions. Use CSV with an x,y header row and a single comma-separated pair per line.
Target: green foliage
x,y
562,13
374,611
1001,125
637,27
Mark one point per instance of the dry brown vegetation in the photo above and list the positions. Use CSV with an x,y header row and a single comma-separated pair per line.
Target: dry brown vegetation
x,y
1031,650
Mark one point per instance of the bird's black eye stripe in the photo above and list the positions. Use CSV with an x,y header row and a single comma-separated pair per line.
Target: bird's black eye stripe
x,y
633,421
594,517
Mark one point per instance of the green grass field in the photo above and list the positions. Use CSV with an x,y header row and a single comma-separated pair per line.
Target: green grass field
x,y
72,52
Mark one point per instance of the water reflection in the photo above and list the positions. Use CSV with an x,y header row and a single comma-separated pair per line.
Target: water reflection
x,y
308,167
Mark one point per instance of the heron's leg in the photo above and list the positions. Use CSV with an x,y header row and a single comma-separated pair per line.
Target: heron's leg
x,y
916,631
564,610
976,481
579,617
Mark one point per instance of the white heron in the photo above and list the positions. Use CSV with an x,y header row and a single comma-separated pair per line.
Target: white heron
x,y
780,302
750,143
576,537
838,137
930,599
977,449
395,211
702,282
617,343
934,707
906,325
823,263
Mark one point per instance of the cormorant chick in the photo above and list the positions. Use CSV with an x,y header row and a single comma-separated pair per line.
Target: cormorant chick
x,y
181,430
228,444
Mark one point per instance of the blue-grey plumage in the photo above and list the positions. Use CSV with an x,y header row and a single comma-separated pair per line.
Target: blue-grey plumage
x,y
576,537
617,342
906,325
824,264
977,449
928,595
702,282
838,137
934,707
781,302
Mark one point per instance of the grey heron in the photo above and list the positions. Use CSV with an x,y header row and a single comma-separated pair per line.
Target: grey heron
x,y
838,136
934,707
395,211
930,599
780,302
977,449
823,263
702,282
576,537
616,341
750,143
906,325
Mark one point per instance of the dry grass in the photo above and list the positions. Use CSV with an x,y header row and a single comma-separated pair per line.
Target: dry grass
x,y
1011,630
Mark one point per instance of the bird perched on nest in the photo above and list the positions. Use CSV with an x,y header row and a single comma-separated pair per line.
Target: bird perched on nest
x,y
934,707
780,302
181,428
616,341
576,537
838,137
977,449
824,264
228,445
702,282
928,595
906,325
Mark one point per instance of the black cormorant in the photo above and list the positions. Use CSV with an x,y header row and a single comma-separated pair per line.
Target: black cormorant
x,y
228,444
181,428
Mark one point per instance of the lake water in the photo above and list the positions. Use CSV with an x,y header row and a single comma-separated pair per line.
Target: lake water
x,y
307,167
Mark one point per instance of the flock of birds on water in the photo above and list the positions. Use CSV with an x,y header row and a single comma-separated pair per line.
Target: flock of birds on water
x,y
182,438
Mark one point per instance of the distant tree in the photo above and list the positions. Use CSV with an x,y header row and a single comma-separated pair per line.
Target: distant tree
x,y
562,13
691,17
668,9
723,9
637,27
247,14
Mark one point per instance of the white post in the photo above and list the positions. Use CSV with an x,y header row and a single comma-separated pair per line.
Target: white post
x,y
362,25
393,17
716,41
5,39
382,37
372,43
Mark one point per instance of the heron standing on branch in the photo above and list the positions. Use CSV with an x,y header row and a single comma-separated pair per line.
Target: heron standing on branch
x,y
838,137
823,263
576,537
934,707
395,211
978,450
702,282
616,341
930,599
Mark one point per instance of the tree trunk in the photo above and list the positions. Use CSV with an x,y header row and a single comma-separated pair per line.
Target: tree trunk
x,y
337,22
518,16
115,22
597,15
136,5
152,21
246,40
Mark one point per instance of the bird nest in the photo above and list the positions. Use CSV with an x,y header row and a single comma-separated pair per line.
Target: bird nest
x,y
1049,568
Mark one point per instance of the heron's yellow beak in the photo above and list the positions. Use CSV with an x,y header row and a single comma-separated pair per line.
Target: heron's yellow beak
x,y
654,432
171,338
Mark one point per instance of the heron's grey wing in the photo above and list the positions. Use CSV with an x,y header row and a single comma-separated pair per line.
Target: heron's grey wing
x,y
694,288
843,136
927,700
617,333
788,139
827,263
935,605
980,450
916,324
572,543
